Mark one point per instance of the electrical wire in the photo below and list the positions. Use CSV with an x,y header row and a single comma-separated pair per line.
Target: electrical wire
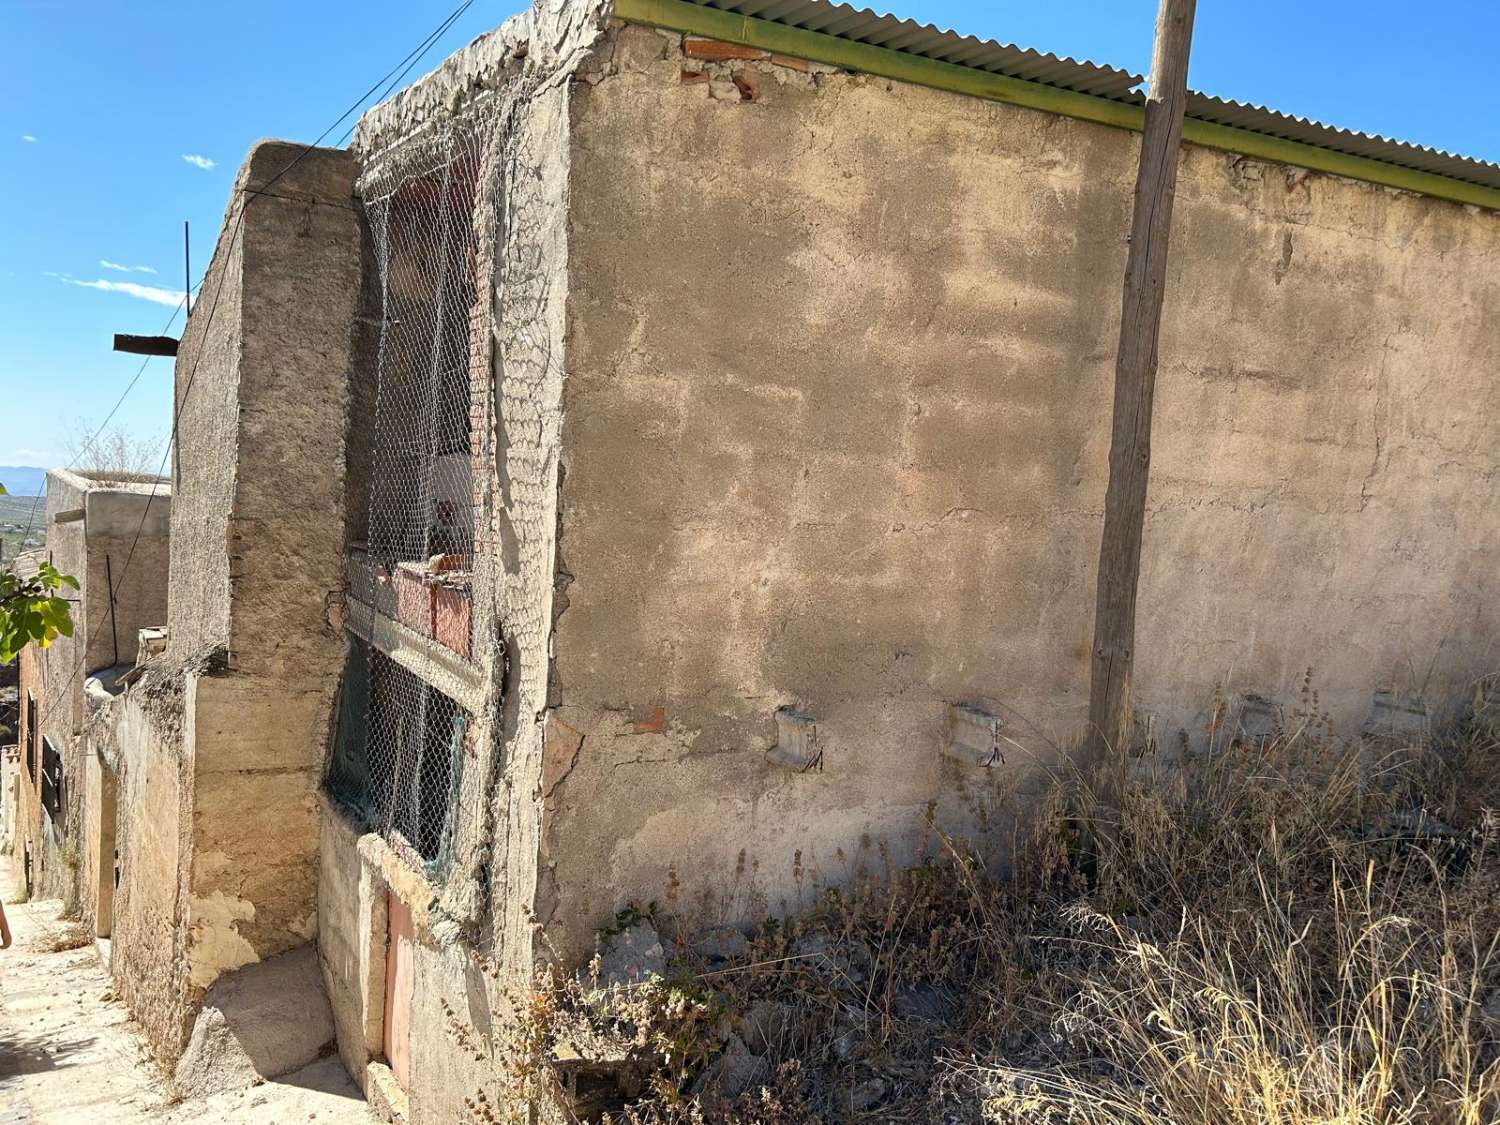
x,y
88,443
250,194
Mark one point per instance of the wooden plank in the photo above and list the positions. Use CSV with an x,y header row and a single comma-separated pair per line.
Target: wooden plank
x,y
145,345
1105,743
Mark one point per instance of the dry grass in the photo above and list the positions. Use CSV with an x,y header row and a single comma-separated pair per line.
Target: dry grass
x,y
1298,932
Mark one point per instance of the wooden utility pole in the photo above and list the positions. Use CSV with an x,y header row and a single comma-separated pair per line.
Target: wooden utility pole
x,y
1106,744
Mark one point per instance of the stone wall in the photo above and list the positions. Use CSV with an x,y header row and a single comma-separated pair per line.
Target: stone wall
x,y
835,431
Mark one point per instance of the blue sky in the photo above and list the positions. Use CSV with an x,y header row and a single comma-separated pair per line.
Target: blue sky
x,y
120,121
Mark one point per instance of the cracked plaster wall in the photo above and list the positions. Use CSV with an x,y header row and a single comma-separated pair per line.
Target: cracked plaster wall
x,y
835,433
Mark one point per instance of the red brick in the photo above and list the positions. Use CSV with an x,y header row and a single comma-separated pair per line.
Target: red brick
x,y
718,51
655,724
749,85
793,64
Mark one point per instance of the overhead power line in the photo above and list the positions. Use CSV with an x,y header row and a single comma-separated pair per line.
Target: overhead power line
x,y
399,71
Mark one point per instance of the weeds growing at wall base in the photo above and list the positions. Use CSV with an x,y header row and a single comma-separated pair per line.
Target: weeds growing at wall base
x,y
1297,931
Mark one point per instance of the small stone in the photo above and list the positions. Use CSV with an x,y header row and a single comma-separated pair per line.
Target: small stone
x,y
866,1095
823,956
632,956
847,1045
924,1002
723,90
734,1072
765,1024
719,943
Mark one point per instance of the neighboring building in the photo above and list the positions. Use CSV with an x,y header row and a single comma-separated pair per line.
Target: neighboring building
x,y
111,535
675,456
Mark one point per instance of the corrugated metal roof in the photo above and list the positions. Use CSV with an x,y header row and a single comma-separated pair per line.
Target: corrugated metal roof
x,y
861,25
1271,123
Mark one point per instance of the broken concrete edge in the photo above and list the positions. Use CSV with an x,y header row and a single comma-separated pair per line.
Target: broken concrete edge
x,y
780,39
264,1020
397,874
387,1099
548,39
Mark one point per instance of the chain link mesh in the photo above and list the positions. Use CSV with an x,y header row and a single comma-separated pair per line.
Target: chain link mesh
x,y
400,748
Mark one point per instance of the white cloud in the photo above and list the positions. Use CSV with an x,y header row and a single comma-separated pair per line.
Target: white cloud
x,y
169,297
107,264
28,138
198,161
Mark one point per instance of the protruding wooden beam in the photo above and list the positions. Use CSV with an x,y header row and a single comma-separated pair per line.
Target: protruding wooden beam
x,y
145,345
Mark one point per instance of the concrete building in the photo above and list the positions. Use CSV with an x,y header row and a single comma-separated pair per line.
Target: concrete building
x,y
111,534
669,450
789,362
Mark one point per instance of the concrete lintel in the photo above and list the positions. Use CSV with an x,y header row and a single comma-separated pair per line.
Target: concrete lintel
x,y
429,661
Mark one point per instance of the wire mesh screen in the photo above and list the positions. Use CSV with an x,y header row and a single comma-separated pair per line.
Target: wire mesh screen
x,y
399,752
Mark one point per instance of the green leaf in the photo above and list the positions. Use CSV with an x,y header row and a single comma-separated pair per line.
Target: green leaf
x,y
2,490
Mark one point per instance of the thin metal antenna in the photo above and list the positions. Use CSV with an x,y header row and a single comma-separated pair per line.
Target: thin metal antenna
x,y
187,270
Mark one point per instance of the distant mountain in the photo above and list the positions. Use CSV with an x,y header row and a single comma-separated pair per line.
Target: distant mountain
x,y
23,480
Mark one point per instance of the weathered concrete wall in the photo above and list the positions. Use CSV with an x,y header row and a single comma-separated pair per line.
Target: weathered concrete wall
x,y
835,436
256,758
352,941
530,308
64,661
98,529
126,532
91,781
264,475
149,935
507,87
207,407
301,282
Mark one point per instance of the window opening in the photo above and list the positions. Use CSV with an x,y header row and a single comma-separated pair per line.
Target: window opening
x,y
28,744
398,755
52,779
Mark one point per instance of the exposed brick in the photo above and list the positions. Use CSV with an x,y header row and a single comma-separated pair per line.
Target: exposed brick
x,y
793,64
718,51
748,84
653,725
693,77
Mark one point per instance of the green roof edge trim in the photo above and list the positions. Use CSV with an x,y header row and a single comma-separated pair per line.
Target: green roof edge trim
x,y
713,23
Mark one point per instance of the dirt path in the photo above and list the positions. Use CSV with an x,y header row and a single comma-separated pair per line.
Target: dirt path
x,y
70,1054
